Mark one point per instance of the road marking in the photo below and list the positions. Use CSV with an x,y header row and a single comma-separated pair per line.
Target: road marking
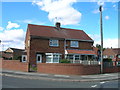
x,y
102,82
109,75
94,86
62,76
43,74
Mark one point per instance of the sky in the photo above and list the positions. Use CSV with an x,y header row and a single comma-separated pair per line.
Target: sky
x,y
75,14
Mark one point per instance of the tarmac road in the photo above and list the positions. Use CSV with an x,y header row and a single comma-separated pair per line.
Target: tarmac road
x,y
15,82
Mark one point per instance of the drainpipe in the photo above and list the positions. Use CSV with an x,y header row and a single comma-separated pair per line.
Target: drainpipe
x,y
64,48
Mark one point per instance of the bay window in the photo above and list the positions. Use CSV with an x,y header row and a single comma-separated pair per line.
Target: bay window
x,y
53,57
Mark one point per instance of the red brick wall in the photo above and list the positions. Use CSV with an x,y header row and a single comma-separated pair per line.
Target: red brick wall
x,y
111,69
42,46
14,65
68,69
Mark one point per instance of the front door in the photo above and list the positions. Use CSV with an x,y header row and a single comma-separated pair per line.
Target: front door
x,y
39,58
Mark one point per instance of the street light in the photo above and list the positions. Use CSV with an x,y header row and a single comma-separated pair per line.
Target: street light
x,y
101,31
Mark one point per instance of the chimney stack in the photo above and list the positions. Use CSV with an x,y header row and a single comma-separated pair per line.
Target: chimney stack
x,y
58,25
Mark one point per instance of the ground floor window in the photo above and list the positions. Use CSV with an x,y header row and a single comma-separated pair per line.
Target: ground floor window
x,y
24,58
118,56
53,57
73,57
80,57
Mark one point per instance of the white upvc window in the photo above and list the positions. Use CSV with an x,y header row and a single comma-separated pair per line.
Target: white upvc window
x,y
111,56
24,58
39,58
118,56
74,57
77,57
53,57
74,43
53,42
105,56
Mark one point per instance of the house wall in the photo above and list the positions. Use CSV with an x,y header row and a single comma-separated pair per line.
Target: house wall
x,y
42,46
27,47
68,69
82,45
9,51
18,53
14,65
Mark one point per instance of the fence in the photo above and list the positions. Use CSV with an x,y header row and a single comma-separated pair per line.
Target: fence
x,y
85,62
111,67
111,64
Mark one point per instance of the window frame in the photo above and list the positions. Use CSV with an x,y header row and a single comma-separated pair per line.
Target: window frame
x,y
118,56
39,55
24,56
51,56
52,42
72,44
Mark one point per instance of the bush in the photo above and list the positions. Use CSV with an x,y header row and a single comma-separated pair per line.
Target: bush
x,y
107,60
17,58
64,61
33,67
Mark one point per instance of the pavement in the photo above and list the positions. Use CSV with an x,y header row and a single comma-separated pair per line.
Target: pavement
x,y
74,78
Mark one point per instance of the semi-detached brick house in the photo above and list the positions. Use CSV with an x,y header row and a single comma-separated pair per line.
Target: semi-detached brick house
x,y
47,44
112,53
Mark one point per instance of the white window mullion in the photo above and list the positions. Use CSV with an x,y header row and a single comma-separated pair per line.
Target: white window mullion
x,y
52,58
73,58
58,58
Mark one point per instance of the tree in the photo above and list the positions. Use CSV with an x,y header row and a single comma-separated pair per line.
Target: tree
x,y
99,47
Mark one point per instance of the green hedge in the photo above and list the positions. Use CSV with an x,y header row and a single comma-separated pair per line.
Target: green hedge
x,y
64,61
107,60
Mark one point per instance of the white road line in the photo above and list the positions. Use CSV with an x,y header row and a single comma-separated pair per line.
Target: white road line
x,y
43,74
94,86
102,82
62,76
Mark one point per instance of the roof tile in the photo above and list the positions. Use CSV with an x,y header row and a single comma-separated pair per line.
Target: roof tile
x,y
88,52
52,32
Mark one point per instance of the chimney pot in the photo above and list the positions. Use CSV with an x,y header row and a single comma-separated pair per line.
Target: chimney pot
x,y
58,25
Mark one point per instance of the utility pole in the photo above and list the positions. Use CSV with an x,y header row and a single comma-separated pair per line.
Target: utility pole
x,y
101,31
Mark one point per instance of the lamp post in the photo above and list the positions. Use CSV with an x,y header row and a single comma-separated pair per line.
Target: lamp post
x,y
101,31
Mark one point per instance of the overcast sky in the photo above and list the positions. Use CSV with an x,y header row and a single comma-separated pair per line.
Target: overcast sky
x,y
74,14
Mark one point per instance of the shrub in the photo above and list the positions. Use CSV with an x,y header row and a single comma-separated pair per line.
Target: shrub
x,y
17,58
107,60
33,67
64,61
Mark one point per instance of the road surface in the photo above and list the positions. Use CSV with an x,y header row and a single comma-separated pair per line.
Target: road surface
x,y
15,82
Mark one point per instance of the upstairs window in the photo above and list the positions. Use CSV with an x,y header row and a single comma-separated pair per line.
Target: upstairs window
x,y
74,44
53,43
105,56
118,56
111,56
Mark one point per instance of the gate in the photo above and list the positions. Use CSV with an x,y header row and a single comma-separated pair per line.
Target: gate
x,y
32,67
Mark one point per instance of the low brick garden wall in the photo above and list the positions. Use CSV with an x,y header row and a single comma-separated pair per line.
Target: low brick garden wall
x,y
68,69
113,69
14,65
